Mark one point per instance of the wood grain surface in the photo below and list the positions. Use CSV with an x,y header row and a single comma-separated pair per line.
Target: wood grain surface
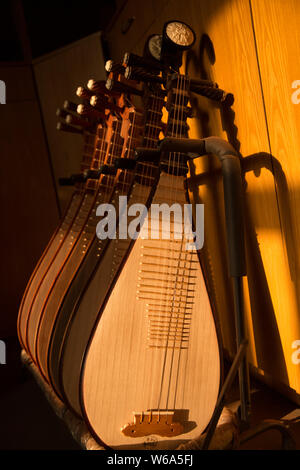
x,y
149,367
278,45
82,322
81,306
62,286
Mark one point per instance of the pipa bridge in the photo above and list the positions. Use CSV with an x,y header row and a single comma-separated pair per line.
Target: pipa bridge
x,y
161,423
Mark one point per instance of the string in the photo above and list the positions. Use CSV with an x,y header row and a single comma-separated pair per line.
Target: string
x,y
154,119
172,156
176,329
160,303
188,260
144,169
181,328
176,160
175,292
151,141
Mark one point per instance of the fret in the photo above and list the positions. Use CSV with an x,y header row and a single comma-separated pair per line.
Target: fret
x,y
160,315
157,346
149,142
158,98
173,323
177,124
151,139
144,270
176,304
180,91
156,113
170,250
164,281
153,126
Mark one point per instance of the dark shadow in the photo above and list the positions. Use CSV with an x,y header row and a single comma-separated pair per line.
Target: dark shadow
x,y
255,163
228,125
205,47
198,58
269,351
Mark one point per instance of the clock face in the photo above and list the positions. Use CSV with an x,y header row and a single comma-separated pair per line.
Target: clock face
x,y
180,33
155,46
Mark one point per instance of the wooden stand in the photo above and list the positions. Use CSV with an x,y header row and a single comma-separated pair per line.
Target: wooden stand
x,y
225,436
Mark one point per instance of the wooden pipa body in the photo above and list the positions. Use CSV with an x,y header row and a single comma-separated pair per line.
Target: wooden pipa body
x,y
77,318
44,320
45,291
59,238
77,271
85,315
164,362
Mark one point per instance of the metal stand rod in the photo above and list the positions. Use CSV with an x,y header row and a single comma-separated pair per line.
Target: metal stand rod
x,y
226,386
243,371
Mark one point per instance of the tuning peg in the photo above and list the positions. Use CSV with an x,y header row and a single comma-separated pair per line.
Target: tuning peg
x,y
101,102
76,121
89,111
62,113
83,93
114,67
97,86
134,60
73,179
118,87
87,174
70,106
92,174
194,82
139,74
61,126
213,93
103,170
